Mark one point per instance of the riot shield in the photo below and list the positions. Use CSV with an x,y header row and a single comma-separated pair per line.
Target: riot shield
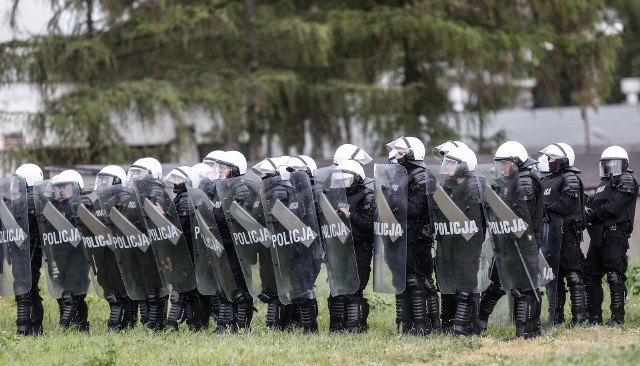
x,y
15,258
457,217
297,249
213,273
98,245
335,228
516,254
551,240
389,229
130,242
67,264
240,199
167,241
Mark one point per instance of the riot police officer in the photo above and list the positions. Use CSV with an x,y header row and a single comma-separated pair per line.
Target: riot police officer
x,y
361,214
563,196
417,308
521,189
30,311
610,212
184,305
239,313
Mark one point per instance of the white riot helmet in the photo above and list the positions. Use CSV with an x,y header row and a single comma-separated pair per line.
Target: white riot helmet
x,y
31,173
232,164
440,150
564,155
351,152
213,160
178,176
351,173
110,175
613,161
268,167
143,167
199,172
302,163
513,154
543,164
67,176
458,162
411,147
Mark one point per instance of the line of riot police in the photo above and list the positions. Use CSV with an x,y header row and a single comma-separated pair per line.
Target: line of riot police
x,y
209,239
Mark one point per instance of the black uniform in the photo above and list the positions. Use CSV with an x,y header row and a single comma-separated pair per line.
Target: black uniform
x,y
612,211
417,308
29,305
563,196
351,311
459,310
239,313
191,304
527,188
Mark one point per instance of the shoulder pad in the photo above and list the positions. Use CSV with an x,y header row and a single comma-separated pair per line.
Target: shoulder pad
x,y
418,176
572,185
627,184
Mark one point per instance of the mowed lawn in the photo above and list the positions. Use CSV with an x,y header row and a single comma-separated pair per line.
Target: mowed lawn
x,y
381,345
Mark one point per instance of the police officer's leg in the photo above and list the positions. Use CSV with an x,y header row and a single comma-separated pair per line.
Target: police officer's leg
x,y
433,305
244,306
594,272
577,293
157,309
466,307
277,313
207,310
418,291
117,312
308,309
449,303
337,314
24,307
226,317
194,311
490,298
177,310
526,310
614,259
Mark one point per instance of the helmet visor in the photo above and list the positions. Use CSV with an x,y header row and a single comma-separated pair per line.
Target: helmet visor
x,y
505,168
449,166
63,190
341,180
105,180
215,166
175,177
610,167
136,173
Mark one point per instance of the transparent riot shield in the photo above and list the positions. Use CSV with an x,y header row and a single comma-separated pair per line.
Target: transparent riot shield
x,y
457,216
213,273
15,258
67,264
242,206
516,253
98,245
389,229
335,228
297,249
551,240
130,242
167,241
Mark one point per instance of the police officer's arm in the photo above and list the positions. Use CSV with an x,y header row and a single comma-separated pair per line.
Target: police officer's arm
x,y
569,199
532,191
417,200
364,214
627,189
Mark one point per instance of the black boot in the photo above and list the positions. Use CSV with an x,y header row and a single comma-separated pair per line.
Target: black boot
x,y
357,311
68,310
433,307
466,311
130,312
557,299
207,309
308,309
277,315
448,312
226,317
157,310
526,310
143,306
490,298
404,313
244,308
337,319
177,311
618,295
421,326
364,320
577,291
215,305
117,312
194,312
24,317
594,297
82,319
38,313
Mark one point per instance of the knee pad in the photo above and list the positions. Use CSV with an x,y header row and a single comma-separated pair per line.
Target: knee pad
x,y
415,282
239,296
267,297
615,278
574,279
430,287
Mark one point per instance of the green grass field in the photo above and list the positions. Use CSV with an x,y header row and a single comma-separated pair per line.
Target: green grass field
x,y
381,345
